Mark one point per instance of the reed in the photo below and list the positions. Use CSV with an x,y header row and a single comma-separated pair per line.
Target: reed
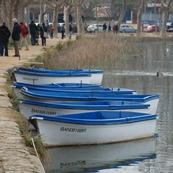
x,y
101,52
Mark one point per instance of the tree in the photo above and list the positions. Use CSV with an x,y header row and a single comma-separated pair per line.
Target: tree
x,y
139,17
166,7
55,5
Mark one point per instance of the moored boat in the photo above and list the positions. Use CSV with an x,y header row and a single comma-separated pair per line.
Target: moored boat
x,y
30,107
96,75
86,92
42,78
61,96
94,127
55,86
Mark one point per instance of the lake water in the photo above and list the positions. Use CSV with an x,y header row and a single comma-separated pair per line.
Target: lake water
x,y
137,71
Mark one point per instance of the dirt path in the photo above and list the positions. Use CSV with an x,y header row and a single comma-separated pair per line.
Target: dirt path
x,y
14,155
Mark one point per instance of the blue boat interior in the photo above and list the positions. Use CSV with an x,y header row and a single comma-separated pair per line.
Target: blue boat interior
x,y
50,74
57,85
99,117
89,105
60,70
89,96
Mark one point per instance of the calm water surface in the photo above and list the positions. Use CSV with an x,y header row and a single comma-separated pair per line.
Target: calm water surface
x,y
137,71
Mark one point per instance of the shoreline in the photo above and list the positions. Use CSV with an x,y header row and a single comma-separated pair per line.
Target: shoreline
x,y
14,155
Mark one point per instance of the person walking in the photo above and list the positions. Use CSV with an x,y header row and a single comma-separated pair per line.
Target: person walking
x,y
62,31
70,30
33,29
109,28
114,29
48,30
51,31
104,27
4,38
24,34
38,34
16,36
85,27
43,33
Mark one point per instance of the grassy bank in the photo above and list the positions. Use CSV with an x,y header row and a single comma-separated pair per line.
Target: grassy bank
x,y
102,51
23,124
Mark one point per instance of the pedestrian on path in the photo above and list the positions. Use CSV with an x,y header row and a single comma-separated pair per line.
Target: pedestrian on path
x,y
62,31
32,29
4,38
43,33
16,36
52,31
109,28
70,30
24,33
104,27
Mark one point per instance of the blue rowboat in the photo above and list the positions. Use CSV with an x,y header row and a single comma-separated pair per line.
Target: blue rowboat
x,y
55,86
96,75
64,96
94,127
42,78
31,107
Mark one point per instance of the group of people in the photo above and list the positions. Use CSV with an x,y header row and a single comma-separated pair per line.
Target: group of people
x,y
20,33
114,28
62,29
43,31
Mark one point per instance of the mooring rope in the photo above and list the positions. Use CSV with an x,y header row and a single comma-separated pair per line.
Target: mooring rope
x,y
37,154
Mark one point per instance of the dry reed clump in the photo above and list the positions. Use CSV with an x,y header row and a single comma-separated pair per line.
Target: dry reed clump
x,y
102,51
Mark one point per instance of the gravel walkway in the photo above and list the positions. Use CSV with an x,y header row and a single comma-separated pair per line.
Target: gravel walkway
x,y
14,155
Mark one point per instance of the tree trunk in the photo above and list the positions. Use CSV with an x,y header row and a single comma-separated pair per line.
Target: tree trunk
x,y
123,11
140,17
27,15
165,19
66,19
166,15
41,11
16,9
78,10
55,15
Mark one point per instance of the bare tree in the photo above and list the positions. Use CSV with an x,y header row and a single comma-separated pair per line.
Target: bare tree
x,y
123,11
139,17
55,5
166,7
68,5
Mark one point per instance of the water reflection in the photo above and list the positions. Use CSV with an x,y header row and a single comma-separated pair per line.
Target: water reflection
x,y
139,73
96,157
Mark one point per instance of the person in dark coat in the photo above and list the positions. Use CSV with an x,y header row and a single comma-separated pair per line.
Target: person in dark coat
x,y
16,36
33,30
116,28
109,28
62,31
104,27
43,30
4,38
70,30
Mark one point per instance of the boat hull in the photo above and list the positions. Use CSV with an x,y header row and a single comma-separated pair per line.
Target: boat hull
x,y
62,134
34,79
28,109
96,75
152,101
